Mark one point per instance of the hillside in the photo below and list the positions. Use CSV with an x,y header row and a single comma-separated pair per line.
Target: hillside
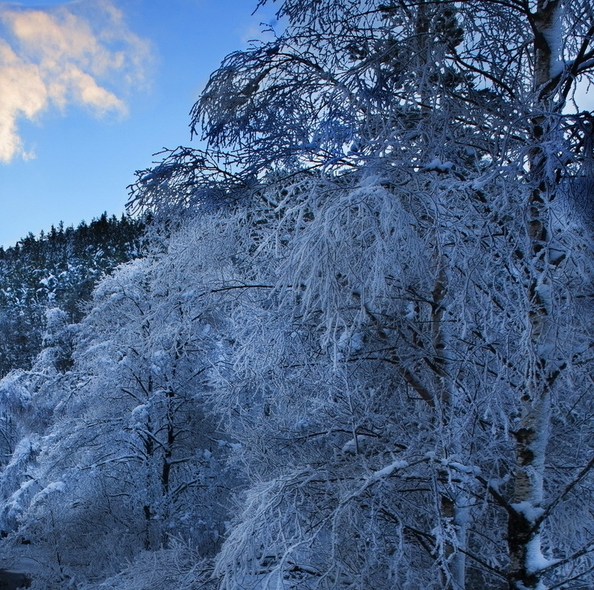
x,y
56,270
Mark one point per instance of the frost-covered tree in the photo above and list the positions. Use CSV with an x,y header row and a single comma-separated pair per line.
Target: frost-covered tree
x,y
126,459
430,320
378,395
421,82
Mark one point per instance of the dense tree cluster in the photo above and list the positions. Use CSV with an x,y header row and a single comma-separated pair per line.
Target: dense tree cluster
x,y
361,358
116,450
56,270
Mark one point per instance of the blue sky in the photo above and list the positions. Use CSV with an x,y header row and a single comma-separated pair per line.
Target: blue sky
x,y
90,89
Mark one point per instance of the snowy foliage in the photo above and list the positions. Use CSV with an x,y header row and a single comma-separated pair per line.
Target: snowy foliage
x,y
362,356
57,270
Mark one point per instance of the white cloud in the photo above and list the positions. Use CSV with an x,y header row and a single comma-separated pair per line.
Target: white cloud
x,y
65,56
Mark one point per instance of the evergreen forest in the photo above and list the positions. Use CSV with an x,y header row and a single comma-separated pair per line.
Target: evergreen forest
x,y
57,271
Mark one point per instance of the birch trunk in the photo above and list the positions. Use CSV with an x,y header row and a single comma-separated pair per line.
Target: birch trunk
x,y
525,523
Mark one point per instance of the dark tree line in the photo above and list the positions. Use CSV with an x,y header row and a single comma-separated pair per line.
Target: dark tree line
x,y
57,269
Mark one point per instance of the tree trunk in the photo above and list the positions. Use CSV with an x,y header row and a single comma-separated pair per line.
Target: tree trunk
x,y
525,522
